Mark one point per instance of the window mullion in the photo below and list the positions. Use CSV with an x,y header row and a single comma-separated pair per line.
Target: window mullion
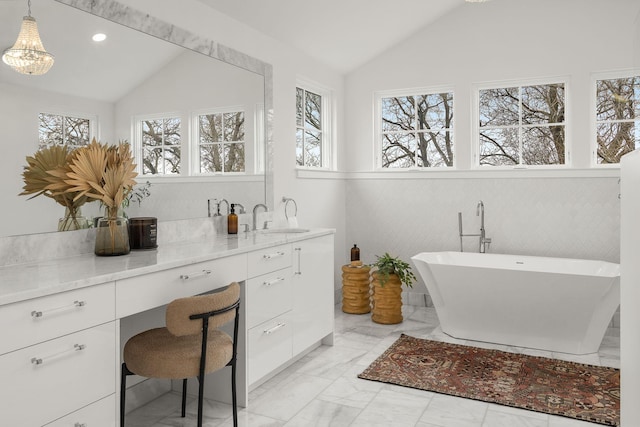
x,y
415,131
520,128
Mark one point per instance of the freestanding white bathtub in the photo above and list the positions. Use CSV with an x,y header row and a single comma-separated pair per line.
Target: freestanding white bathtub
x,y
554,304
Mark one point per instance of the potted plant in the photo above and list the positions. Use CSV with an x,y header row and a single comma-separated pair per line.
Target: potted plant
x,y
389,274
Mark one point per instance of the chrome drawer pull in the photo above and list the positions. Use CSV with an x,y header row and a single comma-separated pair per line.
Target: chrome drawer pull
x,y
191,276
41,360
273,282
271,256
299,272
76,304
275,328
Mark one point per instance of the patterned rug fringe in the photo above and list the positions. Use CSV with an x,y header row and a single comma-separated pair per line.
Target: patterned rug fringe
x,y
557,387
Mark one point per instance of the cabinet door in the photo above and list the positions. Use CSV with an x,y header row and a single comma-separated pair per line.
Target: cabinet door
x,y
268,296
41,319
313,291
99,414
43,382
269,346
137,294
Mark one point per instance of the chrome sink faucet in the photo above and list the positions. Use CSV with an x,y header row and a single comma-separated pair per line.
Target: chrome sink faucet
x,y
255,215
240,208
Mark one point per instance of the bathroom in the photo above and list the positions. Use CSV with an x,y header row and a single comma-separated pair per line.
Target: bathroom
x,y
562,212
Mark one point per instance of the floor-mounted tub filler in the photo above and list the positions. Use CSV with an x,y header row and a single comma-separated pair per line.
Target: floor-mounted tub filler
x,y
554,304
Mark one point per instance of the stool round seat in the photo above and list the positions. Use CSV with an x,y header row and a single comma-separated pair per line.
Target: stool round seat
x,y
157,353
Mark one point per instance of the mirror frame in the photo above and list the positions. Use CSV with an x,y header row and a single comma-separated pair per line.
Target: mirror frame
x,y
118,13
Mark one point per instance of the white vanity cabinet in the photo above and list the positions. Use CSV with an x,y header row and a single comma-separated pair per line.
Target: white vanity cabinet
x,y
61,341
268,300
313,292
58,356
289,309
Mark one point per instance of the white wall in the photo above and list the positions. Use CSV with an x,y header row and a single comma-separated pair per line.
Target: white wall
x,y
572,214
630,292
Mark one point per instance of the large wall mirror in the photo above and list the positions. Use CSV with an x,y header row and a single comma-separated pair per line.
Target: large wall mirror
x,y
145,68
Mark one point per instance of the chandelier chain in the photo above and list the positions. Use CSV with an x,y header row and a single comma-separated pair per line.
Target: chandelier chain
x,y
29,6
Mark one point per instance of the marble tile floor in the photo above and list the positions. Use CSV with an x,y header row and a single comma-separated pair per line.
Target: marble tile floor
x,y
322,388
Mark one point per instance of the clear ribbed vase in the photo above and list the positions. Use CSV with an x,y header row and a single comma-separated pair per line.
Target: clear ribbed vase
x,y
112,236
73,220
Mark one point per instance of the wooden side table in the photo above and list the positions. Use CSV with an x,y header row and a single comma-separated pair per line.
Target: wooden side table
x,y
356,289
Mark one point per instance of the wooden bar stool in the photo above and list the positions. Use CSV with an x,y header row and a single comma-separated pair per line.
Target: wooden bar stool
x,y
191,345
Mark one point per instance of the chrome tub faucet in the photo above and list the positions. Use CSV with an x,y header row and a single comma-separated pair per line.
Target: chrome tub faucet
x,y
483,240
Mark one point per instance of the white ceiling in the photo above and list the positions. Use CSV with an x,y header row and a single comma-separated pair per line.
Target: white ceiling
x,y
343,34
82,67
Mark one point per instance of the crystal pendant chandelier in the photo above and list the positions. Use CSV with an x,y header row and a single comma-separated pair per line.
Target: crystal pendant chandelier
x,y
28,56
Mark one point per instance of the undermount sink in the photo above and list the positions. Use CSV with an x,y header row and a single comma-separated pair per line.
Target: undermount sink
x,y
284,230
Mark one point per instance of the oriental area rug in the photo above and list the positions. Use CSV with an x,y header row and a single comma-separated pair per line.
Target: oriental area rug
x,y
557,387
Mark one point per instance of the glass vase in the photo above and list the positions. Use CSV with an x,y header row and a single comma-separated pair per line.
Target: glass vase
x,y
112,236
73,220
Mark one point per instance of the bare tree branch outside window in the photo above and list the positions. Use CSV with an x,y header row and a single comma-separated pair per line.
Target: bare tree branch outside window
x,y
522,125
617,118
222,142
161,146
417,131
309,128
57,129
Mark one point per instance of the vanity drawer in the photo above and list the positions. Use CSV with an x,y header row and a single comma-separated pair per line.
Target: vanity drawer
x,y
99,414
46,381
268,260
44,318
269,346
137,294
268,296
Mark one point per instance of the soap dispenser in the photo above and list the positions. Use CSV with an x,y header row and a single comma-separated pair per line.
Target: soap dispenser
x,y
355,253
232,221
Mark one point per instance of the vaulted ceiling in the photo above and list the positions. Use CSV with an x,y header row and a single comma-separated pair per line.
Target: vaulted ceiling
x,y
343,34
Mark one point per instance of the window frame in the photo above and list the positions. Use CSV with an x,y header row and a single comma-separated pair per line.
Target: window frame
x,y
327,112
520,83
593,103
378,133
138,147
93,123
194,141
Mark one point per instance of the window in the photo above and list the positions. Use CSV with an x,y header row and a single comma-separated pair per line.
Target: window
x,y
313,141
617,118
416,130
59,129
221,142
161,145
522,125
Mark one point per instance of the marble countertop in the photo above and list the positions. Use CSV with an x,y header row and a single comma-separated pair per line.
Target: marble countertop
x,y
31,280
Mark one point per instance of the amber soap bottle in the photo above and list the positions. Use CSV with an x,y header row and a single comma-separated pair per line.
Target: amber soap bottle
x,y
232,221
355,253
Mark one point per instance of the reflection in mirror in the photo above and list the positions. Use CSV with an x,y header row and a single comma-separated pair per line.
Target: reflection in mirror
x,y
121,85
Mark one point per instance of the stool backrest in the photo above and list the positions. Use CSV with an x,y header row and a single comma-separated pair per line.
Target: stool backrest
x,y
179,310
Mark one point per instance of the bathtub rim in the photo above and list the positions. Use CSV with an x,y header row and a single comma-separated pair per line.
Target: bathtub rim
x,y
525,263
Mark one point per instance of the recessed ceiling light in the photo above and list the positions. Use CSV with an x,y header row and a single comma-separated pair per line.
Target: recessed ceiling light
x,y
98,37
